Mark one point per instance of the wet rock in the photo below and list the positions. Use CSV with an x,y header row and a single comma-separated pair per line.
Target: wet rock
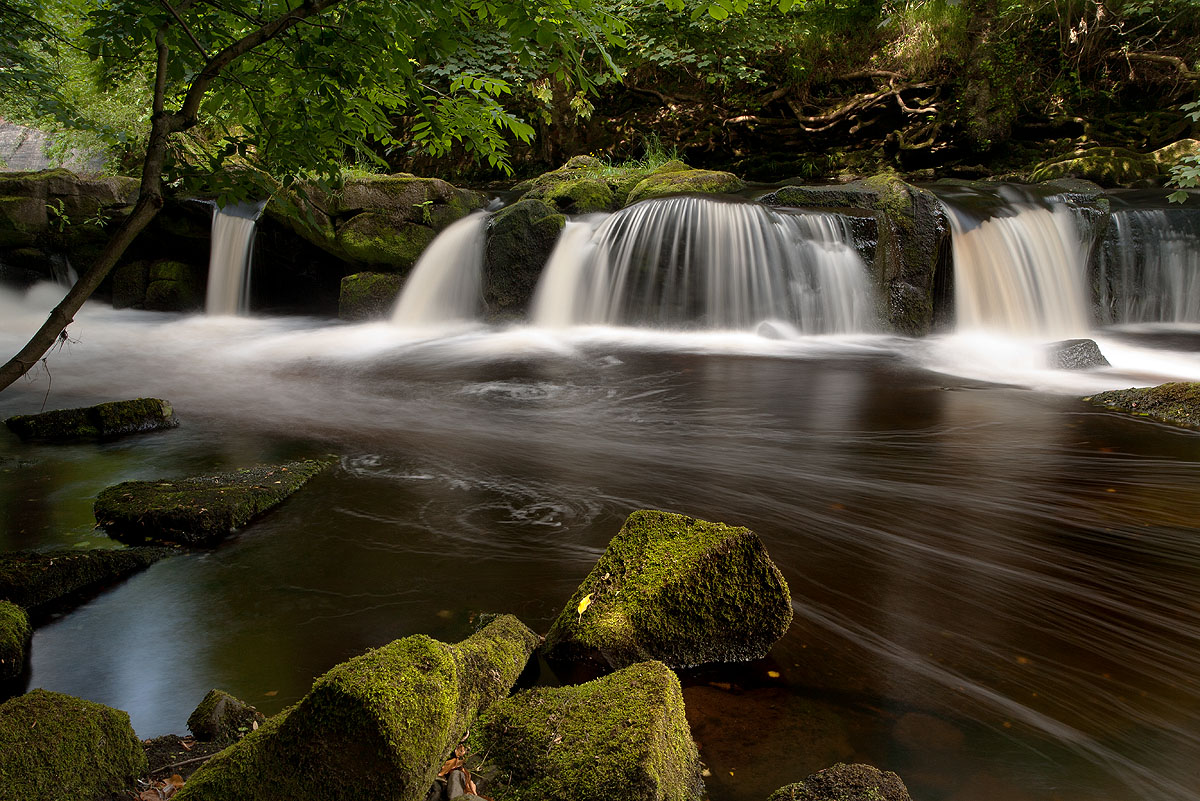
x,y
35,579
173,286
385,720
623,737
675,178
103,421
54,747
675,589
1175,403
1076,354
846,783
221,717
368,296
519,241
200,510
15,633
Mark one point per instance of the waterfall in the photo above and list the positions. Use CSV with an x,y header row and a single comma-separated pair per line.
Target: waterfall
x,y
229,259
1150,267
446,284
1021,271
697,262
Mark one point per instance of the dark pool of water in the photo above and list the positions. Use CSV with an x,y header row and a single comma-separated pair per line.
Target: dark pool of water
x,y
996,590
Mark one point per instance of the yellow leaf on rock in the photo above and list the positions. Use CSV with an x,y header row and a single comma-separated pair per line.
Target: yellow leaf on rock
x,y
585,603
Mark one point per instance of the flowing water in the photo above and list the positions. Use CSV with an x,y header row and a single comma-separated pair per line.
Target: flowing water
x,y
994,582
1150,266
230,258
445,286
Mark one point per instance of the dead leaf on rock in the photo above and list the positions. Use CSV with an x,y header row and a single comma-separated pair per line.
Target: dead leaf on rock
x,y
450,765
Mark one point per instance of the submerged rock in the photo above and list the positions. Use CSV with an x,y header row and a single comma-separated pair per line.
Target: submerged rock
x,y
221,717
367,296
1076,354
846,783
35,579
676,589
1175,403
54,747
105,420
202,509
385,721
623,737
519,241
675,178
15,633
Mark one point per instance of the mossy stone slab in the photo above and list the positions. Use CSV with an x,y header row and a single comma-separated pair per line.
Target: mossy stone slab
x,y
103,421
662,183
1176,403
54,747
200,510
676,589
15,633
385,721
38,578
844,782
623,737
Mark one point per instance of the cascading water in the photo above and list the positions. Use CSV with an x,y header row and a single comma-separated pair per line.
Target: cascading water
x,y
1019,271
446,284
229,260
688,262
1150,267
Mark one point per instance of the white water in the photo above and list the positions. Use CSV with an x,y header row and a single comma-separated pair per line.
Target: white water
x,y
692,262
1150,269
229,259
445,286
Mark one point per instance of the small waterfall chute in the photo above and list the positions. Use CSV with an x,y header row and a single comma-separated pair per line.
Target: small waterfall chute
x,y
230,258
688,262
1150,267
445,285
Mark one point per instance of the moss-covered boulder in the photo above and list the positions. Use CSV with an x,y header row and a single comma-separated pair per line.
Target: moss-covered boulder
x,y
519,241
36,579
844,782
103,421
1107,166
670,180
37,206
222,718
383,241
623,737
57,748
676,589
174,286
366,296
385,720
1176,403
1167,157
200,510
15,633
581,186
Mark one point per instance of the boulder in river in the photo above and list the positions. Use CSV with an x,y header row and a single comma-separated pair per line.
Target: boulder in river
x,y
1175,403
519,241
368,296
675,177
35,579
54,747
103,421
676,589
379,725
200,510
15,633
623,737
222,718
1076,354
845,783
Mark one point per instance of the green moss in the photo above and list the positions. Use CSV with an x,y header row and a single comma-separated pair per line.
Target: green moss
x,y
15,632
365,296
129,281
677,589
57,748
382,240
384,720
664,181
173,286
1176,403
844,782
222,718
520,239
580,196
202,509
1107,166
620,738
106,420
35,579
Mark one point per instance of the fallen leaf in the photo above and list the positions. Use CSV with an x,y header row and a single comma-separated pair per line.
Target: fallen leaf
x,y
461,751
469,783
271,693
254,725
584,604
773,674
449,765
186,745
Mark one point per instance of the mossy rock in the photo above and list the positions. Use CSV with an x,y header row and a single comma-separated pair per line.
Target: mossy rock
x,y
200,510
623,737
15,633
672,181
222,718
579,196
519,241
24,198
385,720
129,281
1176,403
381,240
366,296
35,579
1107,166
676,589
103,421
844,782
54,747
1167,157
173,286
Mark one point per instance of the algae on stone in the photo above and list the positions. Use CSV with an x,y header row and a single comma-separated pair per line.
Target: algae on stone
x,y
201,509
221,717
676,589
623,737
670,180
1107,166
35,579
15,632
366,296
54,747
102,421
844,782
385,720
1175,403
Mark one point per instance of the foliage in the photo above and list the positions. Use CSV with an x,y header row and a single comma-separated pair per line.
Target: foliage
x,y
1186,174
